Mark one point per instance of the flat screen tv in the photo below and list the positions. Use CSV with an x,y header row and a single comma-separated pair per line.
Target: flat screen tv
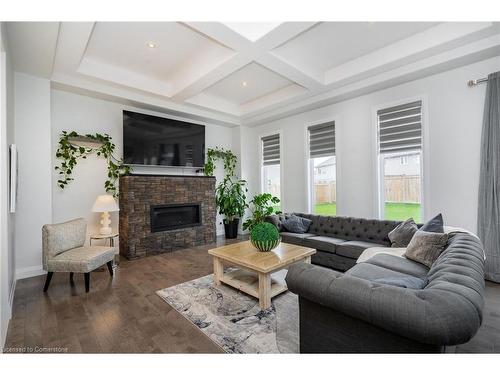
x,y
157,141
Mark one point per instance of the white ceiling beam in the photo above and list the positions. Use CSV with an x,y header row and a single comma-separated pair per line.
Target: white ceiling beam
x,y
431,41
221,34
127,96
246,52
290,72
228,67
467,54
71,45
282,34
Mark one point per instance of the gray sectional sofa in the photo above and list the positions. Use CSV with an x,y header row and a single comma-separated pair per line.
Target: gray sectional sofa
x,y
354,312
339,241
363,311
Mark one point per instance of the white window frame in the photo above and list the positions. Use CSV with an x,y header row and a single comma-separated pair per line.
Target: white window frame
x,y
309,167
261,164
378,164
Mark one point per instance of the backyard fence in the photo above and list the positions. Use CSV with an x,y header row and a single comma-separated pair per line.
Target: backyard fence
x,y
402,189
325,192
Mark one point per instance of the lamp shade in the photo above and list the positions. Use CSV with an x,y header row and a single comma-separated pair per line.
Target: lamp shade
x,y
105,203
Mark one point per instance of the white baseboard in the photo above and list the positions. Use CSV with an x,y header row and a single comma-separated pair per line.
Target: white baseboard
x,y
24,273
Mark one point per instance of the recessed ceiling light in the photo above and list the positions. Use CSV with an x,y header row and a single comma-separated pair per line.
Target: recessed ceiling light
x,y
244,83
151,45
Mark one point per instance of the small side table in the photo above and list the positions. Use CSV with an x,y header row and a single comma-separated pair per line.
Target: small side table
x,y
111,237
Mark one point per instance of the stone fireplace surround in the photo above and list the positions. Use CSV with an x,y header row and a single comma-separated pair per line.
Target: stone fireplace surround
x,y
139,192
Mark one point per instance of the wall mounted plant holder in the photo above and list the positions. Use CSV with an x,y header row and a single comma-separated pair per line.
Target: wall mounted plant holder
x,y
74,146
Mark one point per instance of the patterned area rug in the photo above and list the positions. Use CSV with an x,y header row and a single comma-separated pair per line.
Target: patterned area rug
x,y
233,320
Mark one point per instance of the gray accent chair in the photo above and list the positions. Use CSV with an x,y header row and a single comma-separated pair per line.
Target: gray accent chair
x,y
64,251
352,312
339,240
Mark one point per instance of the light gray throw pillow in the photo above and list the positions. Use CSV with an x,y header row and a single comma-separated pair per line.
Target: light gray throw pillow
x,y
403,233
426,247
296,224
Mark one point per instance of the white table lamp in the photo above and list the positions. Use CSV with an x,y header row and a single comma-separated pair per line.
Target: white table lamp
x,y
105,204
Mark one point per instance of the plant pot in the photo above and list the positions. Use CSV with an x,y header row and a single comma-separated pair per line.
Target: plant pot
x,y
266,245
231,228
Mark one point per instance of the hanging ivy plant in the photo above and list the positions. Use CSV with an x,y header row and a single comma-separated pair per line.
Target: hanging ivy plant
x,y
229,159
72,147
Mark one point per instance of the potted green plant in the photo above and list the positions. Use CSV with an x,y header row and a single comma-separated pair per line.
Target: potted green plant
x,y
265,236
230,197
262,205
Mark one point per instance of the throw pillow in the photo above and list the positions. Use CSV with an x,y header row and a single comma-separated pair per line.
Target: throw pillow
x,y
409,282
403,233
434,225
426,247
296,224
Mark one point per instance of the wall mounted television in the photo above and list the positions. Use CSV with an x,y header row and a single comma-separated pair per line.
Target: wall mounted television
x,y
158,141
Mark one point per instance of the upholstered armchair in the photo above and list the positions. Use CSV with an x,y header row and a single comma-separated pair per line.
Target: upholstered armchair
x,y
64,251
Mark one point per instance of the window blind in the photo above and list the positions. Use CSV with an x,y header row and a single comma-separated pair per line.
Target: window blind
x,y
322,140
271,149
400,128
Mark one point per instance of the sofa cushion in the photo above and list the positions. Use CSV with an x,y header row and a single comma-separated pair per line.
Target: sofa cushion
x,y
372,272
294,238
322,243
409,282
353,249
81,259
372,251
403,233
399,264
296,224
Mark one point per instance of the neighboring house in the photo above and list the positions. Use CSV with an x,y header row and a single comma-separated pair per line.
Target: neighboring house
x,y
325,171
401,165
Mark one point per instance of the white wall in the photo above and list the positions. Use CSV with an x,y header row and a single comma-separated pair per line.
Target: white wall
x,y
90,115
7,261
454,119
34,206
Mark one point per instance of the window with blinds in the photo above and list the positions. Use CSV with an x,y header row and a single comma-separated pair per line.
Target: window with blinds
x,y
400,128
322,140
271,150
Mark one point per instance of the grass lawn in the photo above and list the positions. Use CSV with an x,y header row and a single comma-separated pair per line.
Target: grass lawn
x,y
393,211
403,211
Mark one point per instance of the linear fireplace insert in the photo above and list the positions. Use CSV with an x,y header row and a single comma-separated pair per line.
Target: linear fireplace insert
x,y
174,216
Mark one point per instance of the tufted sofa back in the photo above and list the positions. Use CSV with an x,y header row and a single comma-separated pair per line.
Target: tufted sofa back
x,y
347,228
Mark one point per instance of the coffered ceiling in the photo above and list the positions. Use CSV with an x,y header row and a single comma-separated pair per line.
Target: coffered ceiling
x,y
242,73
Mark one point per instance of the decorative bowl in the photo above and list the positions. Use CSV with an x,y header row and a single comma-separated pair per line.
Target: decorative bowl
x,y
266,245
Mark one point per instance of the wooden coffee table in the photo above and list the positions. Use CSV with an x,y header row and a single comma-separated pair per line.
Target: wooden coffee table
x,y
254,268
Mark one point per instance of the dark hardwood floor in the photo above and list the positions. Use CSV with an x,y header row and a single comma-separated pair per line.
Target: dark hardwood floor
x,y
124,315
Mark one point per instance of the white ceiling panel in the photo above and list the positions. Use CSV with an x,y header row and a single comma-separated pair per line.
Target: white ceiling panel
x,y
249,83
125,45
330,44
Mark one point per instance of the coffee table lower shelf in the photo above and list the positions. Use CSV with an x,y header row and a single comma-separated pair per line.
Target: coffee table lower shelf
x,y
248,282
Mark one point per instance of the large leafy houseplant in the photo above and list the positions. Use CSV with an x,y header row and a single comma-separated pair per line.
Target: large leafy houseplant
x,y
262,205
230,197
230,194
